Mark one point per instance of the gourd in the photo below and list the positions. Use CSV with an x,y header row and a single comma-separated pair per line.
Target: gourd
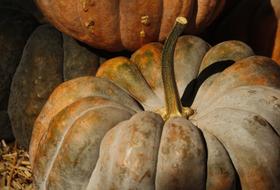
x,y
128,129
116,25
49,58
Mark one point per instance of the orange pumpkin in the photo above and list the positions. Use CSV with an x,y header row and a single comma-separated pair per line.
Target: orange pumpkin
x,y
116,25
128,129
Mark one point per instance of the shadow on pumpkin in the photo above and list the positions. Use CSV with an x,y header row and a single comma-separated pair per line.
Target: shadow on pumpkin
x,y
255,22
193,87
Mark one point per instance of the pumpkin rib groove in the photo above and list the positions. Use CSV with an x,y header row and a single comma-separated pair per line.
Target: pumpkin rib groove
x,y
204,142
59,145
236,179
263,143
77,130
134,165
129,80
75,86
115,153
269,101
267,75
238,109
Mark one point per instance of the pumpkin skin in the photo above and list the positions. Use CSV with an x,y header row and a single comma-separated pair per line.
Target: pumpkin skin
x,y
92,133
255,22
48,59
114,25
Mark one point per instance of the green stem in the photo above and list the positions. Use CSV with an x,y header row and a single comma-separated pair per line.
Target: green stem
x,y
172,98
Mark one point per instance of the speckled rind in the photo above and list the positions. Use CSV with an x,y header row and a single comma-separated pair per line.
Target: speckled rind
x,y
71,91
70,146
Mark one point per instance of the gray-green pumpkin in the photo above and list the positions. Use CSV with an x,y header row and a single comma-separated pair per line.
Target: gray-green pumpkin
x,y
48,59
127,129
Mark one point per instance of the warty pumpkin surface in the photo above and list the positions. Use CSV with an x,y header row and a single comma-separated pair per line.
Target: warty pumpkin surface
x,y
116,25
48,59
115,131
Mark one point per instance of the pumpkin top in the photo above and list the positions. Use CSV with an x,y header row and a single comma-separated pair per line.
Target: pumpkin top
x,y
234,128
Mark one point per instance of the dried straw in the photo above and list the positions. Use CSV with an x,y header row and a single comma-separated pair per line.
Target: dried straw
x,y
15,168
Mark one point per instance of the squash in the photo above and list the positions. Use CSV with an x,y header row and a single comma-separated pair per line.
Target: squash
x,y
255,22
16,27
117,25
127,128
48,59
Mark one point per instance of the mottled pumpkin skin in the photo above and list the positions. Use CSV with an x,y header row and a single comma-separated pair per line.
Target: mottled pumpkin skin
x,y
256,22
48,59
116,25
92,134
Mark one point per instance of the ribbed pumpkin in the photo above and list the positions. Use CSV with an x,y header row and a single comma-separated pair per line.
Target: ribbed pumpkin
x,y
93,134
48,59
116,25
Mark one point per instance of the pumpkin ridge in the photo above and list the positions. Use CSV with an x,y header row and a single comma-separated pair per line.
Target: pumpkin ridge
x,y
59,145
91,125
131,75
236,176
254,173
87,82
262,71
262,101
136,154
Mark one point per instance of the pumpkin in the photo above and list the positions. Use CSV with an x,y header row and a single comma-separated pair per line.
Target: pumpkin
x,y
255,22
127,128
48,59
114,25
16,27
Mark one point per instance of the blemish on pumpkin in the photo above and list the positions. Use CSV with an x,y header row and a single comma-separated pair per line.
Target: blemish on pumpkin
x,y
277,107
252,91
260,120
145,20
274,98
146,174
142,34
90,24
86,4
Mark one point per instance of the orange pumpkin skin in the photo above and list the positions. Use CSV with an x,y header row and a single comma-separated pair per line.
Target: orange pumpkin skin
x,y
92,134
116,25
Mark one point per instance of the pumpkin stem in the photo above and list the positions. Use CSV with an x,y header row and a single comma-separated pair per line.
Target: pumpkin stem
x,y
172,99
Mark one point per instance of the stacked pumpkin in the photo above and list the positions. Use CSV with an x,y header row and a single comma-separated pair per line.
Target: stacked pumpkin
x,y
128,129
36,60
180,116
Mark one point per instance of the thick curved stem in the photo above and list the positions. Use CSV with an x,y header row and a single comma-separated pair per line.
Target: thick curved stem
x,y
172,98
